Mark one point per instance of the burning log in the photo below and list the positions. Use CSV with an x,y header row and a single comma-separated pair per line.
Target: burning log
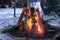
x,y
32,23
39,27
20,18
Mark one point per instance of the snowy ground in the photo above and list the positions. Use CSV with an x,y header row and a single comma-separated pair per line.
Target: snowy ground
x,y
55,22
7,18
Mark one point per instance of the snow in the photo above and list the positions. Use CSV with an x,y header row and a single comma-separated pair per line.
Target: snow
x,y
5,37
34,4
7,18
55,22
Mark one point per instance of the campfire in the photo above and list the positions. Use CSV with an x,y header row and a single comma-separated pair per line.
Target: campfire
x,y
32,23
32,26
37,25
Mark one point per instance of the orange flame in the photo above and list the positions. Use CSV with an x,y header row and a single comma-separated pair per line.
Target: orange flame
x,y
39,27
29,23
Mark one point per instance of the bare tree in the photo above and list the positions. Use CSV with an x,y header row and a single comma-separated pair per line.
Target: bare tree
x,y
15,8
